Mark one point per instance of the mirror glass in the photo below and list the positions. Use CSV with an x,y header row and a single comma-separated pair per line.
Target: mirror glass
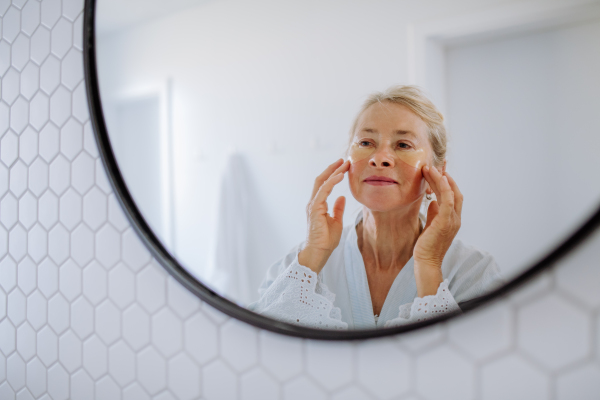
x,y
222,114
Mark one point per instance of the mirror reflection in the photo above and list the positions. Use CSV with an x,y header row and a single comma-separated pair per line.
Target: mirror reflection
x,y
290,160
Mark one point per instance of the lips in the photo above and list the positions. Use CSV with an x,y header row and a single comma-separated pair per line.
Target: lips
x,y
379,180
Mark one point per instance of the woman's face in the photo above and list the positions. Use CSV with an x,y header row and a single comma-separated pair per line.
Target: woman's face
x,y
394,143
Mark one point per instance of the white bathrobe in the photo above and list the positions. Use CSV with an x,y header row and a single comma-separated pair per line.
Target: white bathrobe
x,y
339,297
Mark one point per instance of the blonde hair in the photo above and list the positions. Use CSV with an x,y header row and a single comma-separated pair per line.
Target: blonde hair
x,y
414,98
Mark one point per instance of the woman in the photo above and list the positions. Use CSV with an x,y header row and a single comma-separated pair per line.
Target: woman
x,y
394,265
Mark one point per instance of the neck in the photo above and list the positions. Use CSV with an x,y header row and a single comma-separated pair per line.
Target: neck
x,y
387,239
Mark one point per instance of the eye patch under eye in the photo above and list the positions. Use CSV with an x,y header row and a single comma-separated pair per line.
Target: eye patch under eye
x,y
416,158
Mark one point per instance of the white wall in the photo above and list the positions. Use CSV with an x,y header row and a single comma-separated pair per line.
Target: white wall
x,y
86,313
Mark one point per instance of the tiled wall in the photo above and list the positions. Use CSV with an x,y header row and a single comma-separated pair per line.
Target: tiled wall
x,y
86,313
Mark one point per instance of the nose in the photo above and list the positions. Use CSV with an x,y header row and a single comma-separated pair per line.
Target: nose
x,y
382,159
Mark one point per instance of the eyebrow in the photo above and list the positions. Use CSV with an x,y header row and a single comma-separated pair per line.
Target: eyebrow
x,y
398,132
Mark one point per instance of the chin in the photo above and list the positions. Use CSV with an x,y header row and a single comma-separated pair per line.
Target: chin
x,y
381,202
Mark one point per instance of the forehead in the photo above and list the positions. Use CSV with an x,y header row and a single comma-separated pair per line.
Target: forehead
x,y
390,118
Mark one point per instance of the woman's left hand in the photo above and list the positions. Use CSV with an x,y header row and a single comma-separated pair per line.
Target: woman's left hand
x,y
443,223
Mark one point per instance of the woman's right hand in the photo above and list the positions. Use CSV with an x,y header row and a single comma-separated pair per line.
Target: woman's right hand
x,y
324,231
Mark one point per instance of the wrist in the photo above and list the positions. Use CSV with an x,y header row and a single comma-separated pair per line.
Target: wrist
x,y
428,277
314,259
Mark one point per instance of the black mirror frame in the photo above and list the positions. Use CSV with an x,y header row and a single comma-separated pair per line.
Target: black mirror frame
x,y
213,299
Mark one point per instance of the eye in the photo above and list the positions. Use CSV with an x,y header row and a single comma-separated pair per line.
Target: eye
x,y
404,145
364,143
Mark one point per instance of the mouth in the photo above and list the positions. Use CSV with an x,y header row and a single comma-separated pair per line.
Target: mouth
x,y
379,181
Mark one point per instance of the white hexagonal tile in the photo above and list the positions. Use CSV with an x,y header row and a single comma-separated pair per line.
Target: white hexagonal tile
x,y
135,392
37,243
20,51
107,389
121,363
39,111
17,243
6,391
116,217
330,364
60,107
108,322
16,306
48,277
181,301
121,285
512,377
256,384
58,380
18,178
82,386
9,148
38,177
69,351
59,175
15,371
9,206
36,378
51,11
573,275
302,388
70,209
94,282
151,370
353,393
454,376
30,17
30,80
28,145
19,115
82,245
8,277
10,85
27,210
50,75
49,142
167,332
70,280
4,115
26,341
582,383
82,318
37,310
58,313
3,241
201,338
4,57
553,331
135,254
48,209
82,172
184,377
58,244
72,8
72,69
239,344
40,45
102,180
47,344
136,327
26,272
219,382
81,112
95,208
150,285
108,246
71,144
95,357
61,37
8,337
2,368
78,27
11,24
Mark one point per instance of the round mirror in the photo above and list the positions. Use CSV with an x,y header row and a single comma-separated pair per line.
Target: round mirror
x,y
219,121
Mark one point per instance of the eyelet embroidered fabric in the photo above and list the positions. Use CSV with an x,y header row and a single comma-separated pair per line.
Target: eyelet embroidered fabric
x,y
298,296
425,308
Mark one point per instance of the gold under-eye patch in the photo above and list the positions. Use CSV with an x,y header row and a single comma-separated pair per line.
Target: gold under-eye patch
x,y
416,158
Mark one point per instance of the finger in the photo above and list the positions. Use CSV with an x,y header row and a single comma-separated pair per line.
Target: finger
x,y
447,198
433,177
458,196
326,188
432,211
325,175
338,209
